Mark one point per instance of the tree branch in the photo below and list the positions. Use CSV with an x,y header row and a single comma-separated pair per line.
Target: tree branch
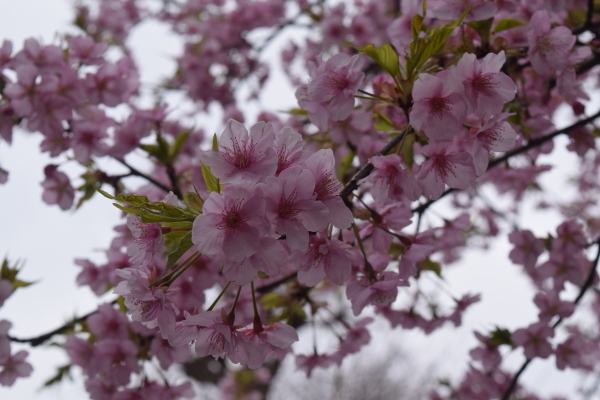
x,y
530,145
584,288
368,167
148,178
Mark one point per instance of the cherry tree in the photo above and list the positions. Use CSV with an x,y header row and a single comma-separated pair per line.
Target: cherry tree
x,y
422,131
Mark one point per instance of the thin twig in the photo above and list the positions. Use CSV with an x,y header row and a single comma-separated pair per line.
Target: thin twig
x,y
530,145
368,167
584,288
153,181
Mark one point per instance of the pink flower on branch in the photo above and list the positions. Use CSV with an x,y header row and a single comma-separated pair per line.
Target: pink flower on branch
x,y
549,48
292,208
439,108
444,167
243,157
232,223
486,88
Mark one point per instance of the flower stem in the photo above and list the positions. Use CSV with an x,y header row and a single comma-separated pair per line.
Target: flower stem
x,y
219,297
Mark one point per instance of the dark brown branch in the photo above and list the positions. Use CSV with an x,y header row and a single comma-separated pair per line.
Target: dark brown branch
x,y
270,286
368,167
584,288
588,25
148,178
530,145
36,341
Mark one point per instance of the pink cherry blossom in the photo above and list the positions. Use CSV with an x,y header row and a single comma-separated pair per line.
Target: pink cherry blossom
x,y
452,9
291,207
534,340
242,156
324,257
527,248
549,48
273,341
231,223
550,305
327,187
334,84
14,367
439,108
391,182
57,188
444,167
486,88
269,258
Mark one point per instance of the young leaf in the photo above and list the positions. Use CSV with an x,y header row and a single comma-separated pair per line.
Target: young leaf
x,y
383,123
184,245
212,183
385,56
508,23
416,25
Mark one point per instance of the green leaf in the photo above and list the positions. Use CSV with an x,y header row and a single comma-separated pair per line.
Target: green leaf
x,y
60,374
576,17
508,23
421,49
483,28
271,300
177,144
428,265
295,111
212,183
88,189
215,143
383,123
193,201
105,194
262,275
500,336
155,151
385,56
407,150
157,212
345,165
19,283
416,25
184,245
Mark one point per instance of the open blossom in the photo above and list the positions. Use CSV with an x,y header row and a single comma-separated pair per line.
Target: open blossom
x,y
549,48
452,9
272,341
444,168
269,258
494,134
534,340
527,248
243,157
391,182
291,207
289,146
148,241
231,223
327,187
57,188
334,83
439,109
14,367
151,306
486,88
218,338
324,257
